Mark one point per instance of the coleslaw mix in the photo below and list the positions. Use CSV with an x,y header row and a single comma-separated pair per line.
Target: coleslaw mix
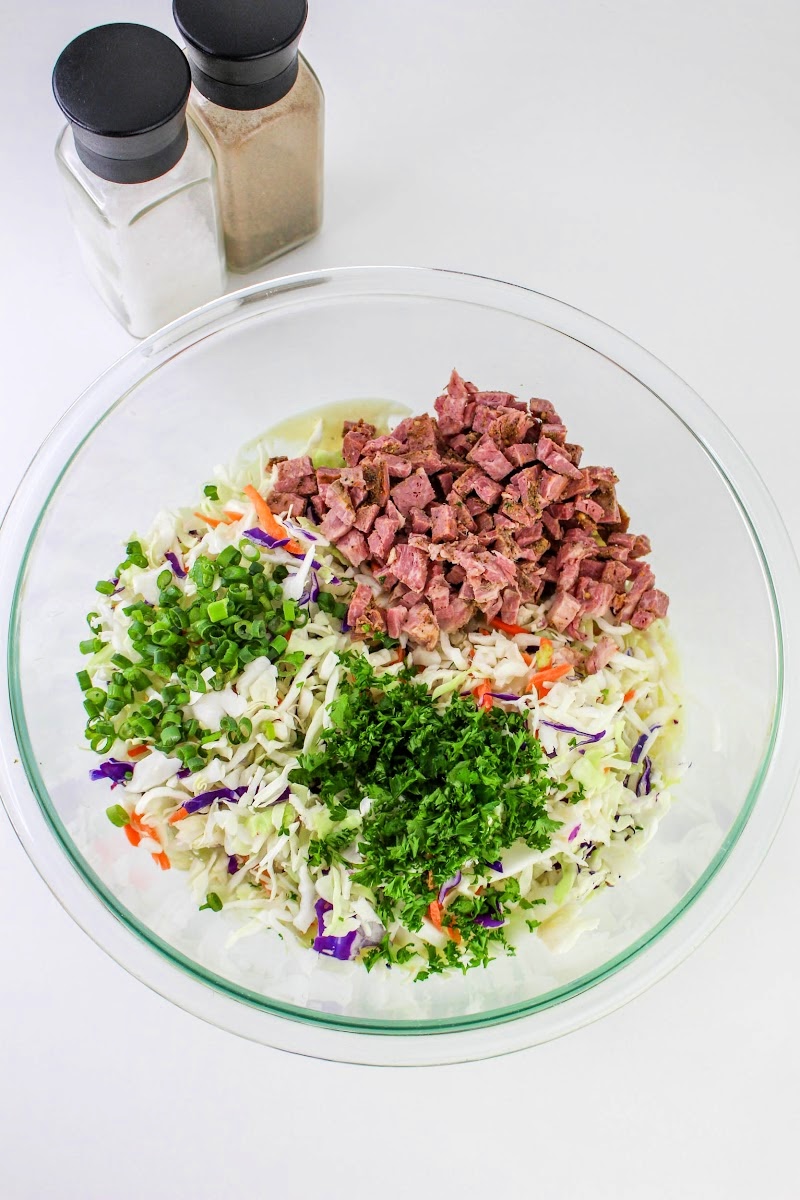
x,y
218,654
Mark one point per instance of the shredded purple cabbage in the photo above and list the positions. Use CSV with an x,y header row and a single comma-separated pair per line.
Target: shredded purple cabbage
x,y
448,886
574,833
285,794
184,771
233,865
643,786
504,696
588,737
320,908
113,769
174,562
489,922
233,795
636,752
314,588
345,627
266,539
336,947
298,529
496,865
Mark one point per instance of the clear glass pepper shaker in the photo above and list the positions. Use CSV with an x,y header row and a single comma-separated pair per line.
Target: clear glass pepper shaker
x,y
260,106
140,181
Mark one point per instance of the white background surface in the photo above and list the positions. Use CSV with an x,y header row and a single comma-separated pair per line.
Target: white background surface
x,y
639,160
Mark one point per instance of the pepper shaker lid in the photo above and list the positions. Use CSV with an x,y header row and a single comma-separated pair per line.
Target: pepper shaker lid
x,y
124,88
243,53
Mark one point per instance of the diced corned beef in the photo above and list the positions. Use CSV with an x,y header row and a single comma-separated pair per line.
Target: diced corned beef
x,y
602,475
466,593
562,512
457,387
463,516
308,486
319,506
487,455
601,655
552,526
326,475
466,482
354,442
530,581
422,627
350,477
360,426
365,517
376,479
530,534
484,522
543,408
398,468
586,505
510,607
574,452
593,569
387,443
563,609
291,472
552,456
394,515
333,527
358,495
641,545
474,505
494,399
419,521
385,578
568,576
655,602
455,615
510,427
354,547
642,618
595,596
621,539
606,498
451,413
361,599
555,431
462,443
483,418
578,487
410,565
414,492
489,490
445,481
519,455
395,619
551,486
613,572
624,605
284,502
337,497
381,540
469,414
444,524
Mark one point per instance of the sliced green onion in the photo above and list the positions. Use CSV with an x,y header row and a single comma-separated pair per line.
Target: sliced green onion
x,y
105,587
213,902
84,680
218,610
117,815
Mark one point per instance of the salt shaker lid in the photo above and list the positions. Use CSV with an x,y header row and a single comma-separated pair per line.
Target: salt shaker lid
x,y
123,88
243,54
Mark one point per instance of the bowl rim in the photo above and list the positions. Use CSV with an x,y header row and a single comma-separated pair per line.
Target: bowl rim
x,y
27,800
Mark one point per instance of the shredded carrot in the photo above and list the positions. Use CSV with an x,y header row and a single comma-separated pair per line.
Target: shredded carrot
x,y
212,521
399,657
435,914
135,751
483,699
133,837
506,626
629,695
143,828
527,658
267,520
162,860
233,517
549,675
177,816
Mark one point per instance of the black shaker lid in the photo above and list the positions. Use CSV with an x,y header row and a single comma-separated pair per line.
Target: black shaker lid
x,y
243,53
124,88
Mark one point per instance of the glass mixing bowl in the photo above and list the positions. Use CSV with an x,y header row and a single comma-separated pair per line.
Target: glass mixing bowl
x,y
147,435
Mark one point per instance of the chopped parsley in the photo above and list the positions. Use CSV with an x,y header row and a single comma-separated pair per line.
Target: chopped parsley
x,y
449,787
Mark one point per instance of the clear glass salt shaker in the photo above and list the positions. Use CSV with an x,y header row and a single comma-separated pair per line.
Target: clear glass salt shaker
x,y
140,181
261,108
